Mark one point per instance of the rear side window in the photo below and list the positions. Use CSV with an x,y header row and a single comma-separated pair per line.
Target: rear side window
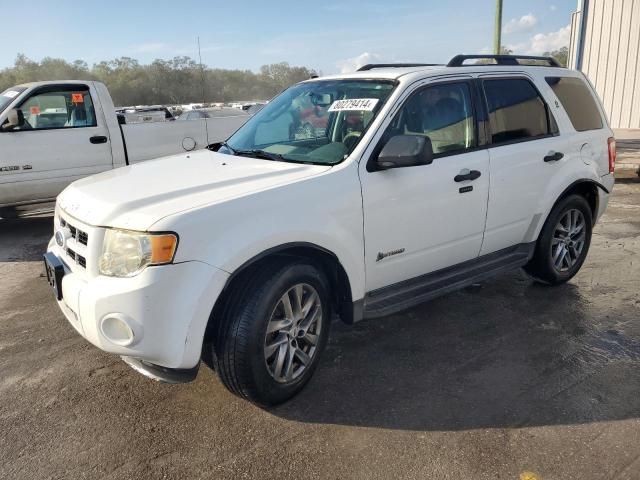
x,y
516,110
578,102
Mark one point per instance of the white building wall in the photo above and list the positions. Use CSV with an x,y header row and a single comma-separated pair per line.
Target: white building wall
x,y
605,45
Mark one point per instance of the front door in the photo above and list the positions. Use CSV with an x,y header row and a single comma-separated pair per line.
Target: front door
x,y
420,219
60,140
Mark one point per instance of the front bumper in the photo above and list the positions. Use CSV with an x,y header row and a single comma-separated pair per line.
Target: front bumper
x,y
165,307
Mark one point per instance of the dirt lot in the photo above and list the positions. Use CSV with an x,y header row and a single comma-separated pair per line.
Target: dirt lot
x,y
491,382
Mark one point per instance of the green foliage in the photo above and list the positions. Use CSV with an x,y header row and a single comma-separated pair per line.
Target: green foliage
x,y
503,51
561,55
179,80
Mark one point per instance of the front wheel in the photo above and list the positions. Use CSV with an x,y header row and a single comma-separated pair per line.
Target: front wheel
x,y
563,242
272,332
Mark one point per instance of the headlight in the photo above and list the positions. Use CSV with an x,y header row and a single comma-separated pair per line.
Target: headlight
x,y
126,253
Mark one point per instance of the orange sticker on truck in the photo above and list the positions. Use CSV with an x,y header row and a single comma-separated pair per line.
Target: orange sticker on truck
x,y
35,110
77,98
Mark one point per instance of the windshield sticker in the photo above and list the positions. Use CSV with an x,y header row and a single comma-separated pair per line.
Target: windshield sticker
x,y
77,98
354,104
10,94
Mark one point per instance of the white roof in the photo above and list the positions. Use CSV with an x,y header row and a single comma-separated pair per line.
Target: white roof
x,y
54,82
413,73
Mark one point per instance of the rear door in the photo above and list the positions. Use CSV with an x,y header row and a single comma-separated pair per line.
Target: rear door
x,y
63,138
525,151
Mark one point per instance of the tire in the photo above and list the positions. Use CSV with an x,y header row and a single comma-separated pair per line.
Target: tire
x,y
8,213
558,256
242,341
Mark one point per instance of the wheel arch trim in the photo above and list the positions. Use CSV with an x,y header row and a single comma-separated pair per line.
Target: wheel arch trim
x,y
539,219
345,302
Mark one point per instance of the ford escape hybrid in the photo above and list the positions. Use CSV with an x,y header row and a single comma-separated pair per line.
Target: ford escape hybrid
x,y
354,195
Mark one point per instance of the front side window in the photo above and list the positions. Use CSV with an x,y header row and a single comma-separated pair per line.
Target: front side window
x,y
58,109
444,113
313,122
516,110
577,100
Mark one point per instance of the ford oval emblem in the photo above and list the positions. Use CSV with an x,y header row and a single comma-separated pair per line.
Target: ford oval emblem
x,y
60,237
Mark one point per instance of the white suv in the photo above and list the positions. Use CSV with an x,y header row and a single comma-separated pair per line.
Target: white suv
x,y
357,195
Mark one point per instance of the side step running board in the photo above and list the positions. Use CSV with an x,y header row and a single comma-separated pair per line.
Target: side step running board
x,y
410,293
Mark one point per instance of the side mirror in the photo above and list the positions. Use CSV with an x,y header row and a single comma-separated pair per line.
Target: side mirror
x,y
405,151
15,119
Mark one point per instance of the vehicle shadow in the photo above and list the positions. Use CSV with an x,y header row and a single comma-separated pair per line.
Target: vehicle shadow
x,y
508,353
628,179
24,239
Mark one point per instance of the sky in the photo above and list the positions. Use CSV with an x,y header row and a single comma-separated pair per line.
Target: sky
x,y
329,36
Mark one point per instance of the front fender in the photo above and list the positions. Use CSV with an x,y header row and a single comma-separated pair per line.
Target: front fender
x,y
324,211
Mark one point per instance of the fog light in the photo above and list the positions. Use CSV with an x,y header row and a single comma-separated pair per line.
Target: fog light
x,y
117,330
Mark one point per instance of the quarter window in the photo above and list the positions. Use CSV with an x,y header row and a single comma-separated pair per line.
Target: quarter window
x,y
578,102
516,110
58,109
443,113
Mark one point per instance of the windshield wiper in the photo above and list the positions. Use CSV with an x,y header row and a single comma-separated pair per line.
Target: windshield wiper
x,y
257,153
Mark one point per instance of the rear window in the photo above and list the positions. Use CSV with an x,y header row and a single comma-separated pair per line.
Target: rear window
x,y
516,110
577,100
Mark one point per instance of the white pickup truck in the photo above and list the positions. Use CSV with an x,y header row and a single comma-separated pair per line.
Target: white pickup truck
x,y
52,133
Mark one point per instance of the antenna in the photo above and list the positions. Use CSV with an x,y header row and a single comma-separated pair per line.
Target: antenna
x,y
201,70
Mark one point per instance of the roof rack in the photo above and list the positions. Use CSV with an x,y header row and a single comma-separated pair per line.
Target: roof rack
x,y
512,60
371,66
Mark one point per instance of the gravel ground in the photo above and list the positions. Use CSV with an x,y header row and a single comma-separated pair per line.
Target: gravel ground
x,y
490,382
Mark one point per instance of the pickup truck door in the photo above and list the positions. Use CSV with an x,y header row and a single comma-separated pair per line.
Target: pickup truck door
x,y
63,138
424,218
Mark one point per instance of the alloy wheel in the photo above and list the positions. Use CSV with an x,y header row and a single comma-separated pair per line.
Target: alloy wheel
x,y
293,333
568,240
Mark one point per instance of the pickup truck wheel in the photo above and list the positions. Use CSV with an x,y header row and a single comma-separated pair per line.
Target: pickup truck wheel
x,y
563,243
8,213
272,333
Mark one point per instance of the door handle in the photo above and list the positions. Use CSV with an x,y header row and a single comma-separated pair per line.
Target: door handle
x,y
98,139
466,175
553,156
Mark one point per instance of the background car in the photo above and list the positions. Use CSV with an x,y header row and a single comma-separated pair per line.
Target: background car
x,y
193,115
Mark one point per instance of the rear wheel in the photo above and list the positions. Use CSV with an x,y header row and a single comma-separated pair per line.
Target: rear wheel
x,y
563,242
272,332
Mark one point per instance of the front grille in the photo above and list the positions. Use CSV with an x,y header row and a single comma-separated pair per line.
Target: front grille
x,y
77,234
76,257
77,242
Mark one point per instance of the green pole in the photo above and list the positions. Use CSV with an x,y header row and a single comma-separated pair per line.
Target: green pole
x,y
497,35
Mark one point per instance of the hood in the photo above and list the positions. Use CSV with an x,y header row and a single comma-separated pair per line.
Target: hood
x,y
137,196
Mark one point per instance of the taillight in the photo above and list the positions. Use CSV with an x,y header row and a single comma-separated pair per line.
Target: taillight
x,y
611,143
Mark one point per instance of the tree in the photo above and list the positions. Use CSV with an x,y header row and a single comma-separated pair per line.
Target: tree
x,y
174,81
503,51
561,55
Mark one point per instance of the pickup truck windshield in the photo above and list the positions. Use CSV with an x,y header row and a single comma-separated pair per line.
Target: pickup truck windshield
x,y
313,122
8,96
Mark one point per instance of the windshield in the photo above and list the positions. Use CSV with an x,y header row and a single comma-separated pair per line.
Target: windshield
x,y
313,122
8,96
